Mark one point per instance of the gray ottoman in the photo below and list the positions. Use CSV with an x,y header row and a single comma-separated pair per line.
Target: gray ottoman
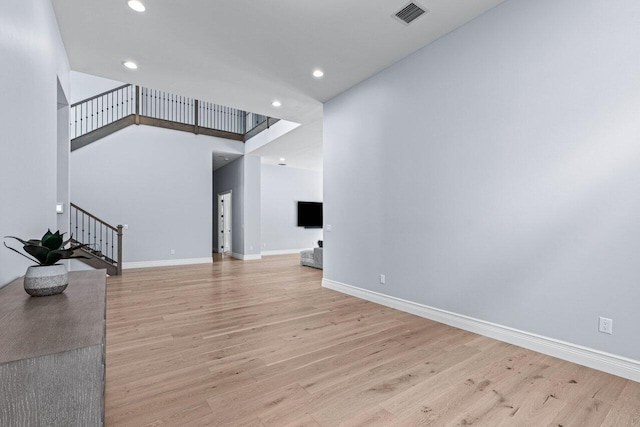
x,y
311,258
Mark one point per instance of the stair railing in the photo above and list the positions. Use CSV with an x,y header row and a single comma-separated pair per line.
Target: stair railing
x,y
102,239
133,102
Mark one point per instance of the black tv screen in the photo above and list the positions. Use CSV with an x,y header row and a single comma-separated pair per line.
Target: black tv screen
x,y
310,214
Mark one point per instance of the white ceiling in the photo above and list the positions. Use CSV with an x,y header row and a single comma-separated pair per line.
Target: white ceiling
x,y
301,148
245,54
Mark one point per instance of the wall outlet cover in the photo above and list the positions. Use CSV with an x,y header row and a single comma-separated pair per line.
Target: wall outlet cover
x,y
605,325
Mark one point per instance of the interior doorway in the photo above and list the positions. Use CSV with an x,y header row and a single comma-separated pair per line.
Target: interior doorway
x,y
224,223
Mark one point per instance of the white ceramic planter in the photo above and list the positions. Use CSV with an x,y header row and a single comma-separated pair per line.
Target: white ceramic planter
x,y
44,280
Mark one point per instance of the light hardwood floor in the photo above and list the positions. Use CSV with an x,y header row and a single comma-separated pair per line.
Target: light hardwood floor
x,y
258,343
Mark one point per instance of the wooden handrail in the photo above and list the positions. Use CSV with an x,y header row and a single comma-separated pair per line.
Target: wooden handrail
x,y
100,94
94,217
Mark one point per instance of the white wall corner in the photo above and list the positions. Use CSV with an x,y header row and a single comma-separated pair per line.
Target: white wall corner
x,y
606,362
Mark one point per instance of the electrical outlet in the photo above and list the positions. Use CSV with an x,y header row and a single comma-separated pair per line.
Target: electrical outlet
x,y
126,226
173,251
328,227
383,279
606,325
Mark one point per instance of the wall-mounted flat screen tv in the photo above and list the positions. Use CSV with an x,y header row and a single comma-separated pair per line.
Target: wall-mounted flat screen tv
x,y
310,214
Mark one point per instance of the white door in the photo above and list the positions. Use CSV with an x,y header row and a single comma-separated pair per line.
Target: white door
x,y
224,223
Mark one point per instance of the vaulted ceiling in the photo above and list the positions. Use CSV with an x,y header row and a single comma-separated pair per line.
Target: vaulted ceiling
x,y
246,54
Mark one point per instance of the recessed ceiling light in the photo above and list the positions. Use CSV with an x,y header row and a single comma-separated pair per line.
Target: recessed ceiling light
x,y
136,5
226,159
276,103
130,65
282,159
318,73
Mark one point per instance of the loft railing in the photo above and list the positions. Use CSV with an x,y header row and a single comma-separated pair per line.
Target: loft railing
x,y
215,116
166,106
102,240
130,104
101,110
253,120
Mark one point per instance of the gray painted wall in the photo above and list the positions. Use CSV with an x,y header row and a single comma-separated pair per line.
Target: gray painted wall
x,y
63,154
496,173
251,216
33,58
158,182
282,189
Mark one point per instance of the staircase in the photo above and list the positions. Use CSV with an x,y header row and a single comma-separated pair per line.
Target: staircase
x,y
106,113
103,241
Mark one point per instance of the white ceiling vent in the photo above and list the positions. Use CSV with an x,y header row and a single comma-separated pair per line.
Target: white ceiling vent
x,y
410,12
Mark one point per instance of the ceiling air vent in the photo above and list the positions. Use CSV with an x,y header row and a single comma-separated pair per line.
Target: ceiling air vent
x,y
410,12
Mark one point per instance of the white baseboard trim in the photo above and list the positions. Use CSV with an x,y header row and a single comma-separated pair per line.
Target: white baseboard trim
x,y
596,359
247,257
166,262
283,252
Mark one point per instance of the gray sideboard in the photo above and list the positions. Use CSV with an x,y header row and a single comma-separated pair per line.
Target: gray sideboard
x,y
52,354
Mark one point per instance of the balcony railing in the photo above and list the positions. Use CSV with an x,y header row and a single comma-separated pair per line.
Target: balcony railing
x,y
129,104
102,110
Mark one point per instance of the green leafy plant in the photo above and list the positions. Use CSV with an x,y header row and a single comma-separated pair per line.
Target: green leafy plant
x,y
48,250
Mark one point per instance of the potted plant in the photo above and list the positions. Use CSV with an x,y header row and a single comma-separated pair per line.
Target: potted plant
x,y
47,277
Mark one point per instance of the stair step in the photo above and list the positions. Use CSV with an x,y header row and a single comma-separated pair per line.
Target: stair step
x,y
97,262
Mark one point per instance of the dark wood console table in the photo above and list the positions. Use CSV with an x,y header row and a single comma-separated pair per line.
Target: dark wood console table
x,y
52,354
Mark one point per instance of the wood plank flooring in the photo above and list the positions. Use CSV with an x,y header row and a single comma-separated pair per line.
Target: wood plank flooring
x,y
261,343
